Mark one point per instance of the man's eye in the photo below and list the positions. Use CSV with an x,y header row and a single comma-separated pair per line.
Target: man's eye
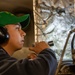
x,y
17,28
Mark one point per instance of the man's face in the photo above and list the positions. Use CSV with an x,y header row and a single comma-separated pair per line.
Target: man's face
x,y
17,35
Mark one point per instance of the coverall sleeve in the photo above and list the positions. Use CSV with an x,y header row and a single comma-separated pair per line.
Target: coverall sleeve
x,y
44,64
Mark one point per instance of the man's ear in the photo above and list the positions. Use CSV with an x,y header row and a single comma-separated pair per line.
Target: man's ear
x,y
4,36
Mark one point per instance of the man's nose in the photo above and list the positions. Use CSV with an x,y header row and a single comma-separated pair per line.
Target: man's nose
x,y
23,33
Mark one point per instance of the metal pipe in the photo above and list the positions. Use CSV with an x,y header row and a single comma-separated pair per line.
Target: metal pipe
x,y
64,49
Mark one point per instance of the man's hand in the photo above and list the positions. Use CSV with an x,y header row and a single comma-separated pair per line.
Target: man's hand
x,y
32,56
39,46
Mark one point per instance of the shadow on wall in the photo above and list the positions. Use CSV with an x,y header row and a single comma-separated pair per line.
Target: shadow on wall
x,y
21,54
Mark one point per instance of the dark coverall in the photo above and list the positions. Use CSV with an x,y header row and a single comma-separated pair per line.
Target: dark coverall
x,y
44,64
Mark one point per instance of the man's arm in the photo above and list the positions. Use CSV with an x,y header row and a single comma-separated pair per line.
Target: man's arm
x,y
44,64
